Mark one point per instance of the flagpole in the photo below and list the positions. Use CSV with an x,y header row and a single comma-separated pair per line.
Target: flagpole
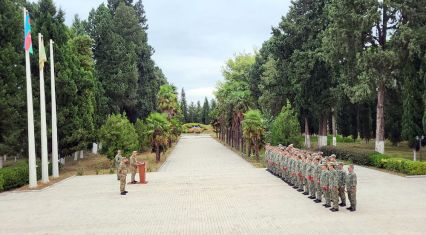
x,y
44,160
55,167
31,140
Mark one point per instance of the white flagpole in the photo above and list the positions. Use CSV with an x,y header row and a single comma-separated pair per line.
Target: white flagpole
x,y
31,140
44,160
55,167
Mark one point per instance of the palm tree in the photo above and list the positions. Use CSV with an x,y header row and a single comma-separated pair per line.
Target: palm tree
x,y
167,101
253,128
159,130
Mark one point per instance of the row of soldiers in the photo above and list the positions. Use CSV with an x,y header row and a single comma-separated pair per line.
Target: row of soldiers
x,y
314,175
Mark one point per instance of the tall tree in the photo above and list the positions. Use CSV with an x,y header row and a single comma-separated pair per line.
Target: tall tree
x,y
184,106
13,120
205,112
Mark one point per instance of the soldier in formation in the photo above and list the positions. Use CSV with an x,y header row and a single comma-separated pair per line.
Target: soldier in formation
x,y
319,177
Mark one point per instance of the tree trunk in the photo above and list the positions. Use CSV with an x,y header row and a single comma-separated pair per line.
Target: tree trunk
x,y
256,149
414,155
333,124
380,121
307,135
157,152
322,135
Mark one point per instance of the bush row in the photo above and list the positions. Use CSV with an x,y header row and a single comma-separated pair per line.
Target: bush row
x,y
188,126
17,175
369,158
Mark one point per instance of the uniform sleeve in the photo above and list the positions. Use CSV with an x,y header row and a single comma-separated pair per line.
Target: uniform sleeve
x,y
354,181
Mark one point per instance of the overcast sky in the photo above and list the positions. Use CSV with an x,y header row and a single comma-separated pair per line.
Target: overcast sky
x,y
194,38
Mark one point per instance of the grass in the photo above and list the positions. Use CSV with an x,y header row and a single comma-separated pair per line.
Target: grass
x,y
400,151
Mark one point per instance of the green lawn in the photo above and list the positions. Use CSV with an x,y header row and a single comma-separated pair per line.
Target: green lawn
x,y
402,150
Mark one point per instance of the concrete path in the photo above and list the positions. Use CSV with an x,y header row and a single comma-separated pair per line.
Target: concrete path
x,y
204,188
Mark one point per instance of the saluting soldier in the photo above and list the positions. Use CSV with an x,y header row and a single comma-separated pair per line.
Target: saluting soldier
x,y
351,183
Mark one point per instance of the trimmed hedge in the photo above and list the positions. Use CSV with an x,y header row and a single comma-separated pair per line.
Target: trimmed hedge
x,y
360,158
378,160
17,175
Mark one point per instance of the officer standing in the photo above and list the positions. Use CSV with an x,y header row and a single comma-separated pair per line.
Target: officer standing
x,y
133,166
122,170
351,182
117,160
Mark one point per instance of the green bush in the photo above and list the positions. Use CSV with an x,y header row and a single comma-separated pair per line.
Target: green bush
x,y
14,176
378,160
188,126
360,157
286,128
1,183
118,134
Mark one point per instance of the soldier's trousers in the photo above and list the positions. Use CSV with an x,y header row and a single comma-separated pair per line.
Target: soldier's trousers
x,y
122,182
342,194
319,191
334,196
312,188
300,182
327,196
133,176
305,182
352,197
118,174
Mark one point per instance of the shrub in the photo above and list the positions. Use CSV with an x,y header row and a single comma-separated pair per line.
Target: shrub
x,y
14,176
118,133
286,128
360,157
375,159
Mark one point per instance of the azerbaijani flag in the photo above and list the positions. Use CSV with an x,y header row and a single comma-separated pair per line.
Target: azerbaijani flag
x,y
28,44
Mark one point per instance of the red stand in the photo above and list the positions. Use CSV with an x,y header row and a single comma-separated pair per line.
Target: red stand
x,y
142,175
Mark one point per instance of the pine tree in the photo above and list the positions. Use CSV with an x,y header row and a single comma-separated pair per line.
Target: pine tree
x,y
205,119
184,106
13,120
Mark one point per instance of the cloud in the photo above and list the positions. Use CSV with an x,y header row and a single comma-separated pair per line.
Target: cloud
x,y
195,94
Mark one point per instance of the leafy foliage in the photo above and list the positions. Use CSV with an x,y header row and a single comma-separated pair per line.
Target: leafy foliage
x,y
286,128
118,134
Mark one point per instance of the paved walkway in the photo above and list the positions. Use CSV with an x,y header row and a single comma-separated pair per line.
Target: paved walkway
x,y
204,188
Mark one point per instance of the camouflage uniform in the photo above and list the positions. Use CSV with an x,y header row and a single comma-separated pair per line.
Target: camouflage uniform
x,y
118,159
351,182
342,179
333,183
133,167
317,179
122,171
313,168
324,186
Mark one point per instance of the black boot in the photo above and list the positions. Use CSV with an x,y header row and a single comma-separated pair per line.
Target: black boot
x,y
123,193
334,210
305,193
342,204
352,209
349,208
327,206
